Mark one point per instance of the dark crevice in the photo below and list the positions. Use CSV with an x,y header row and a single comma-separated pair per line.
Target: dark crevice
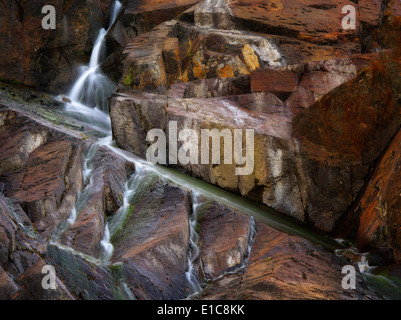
x,y
348,225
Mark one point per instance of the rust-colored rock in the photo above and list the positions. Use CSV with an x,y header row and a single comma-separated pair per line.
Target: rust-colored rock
x,y
274,81
45,58
380,218
47,173
153,243
224,239
141,16
305,19
283,267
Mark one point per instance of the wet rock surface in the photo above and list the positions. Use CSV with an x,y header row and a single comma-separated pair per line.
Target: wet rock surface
x,y
153,244
299,85
323,102
286,267
41,168
46,58
224,238
378,212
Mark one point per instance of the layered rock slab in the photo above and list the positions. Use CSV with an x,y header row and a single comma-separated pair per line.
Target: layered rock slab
x,y
142,16
347,130
41,168
286,267
379,221
153,244
224,238
104,197
21,261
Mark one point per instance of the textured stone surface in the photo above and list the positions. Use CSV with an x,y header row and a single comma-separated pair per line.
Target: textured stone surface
x,y
143,15
105,194
155,262
224,239
47,173
380,214
20,260
346,131
283,267
45,58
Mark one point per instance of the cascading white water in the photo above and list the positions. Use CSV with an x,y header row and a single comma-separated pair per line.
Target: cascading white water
x,y
82,196
93,88
107,247
114,14
89,103
191,276
132,188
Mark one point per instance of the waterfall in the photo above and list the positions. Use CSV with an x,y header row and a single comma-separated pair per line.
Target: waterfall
x,y
92,88
89,103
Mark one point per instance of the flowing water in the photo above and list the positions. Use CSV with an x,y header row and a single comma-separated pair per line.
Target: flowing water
x,y
89,104
93,88
191,274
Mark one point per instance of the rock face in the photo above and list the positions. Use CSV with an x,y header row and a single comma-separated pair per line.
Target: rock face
x,y
104,196
46,58
142,16
41,168
21,265
155,262
379,208
299,82
324,107
150,234
224,238
285,267
346,131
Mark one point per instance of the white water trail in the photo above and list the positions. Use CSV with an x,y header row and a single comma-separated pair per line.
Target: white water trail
x,y
107,247
81,197
93,88
77,90
133,188
87,95
116,10
238,269
191,274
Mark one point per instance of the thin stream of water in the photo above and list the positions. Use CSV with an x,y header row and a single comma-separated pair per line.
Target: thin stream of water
x,y
87,105
191,274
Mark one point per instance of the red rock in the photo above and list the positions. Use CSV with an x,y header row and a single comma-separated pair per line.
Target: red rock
x,y
46,181
44,58
370,11
152,245
149,13
144,67
224,239
307,18
283,267
380,219
274,81
46,174
342,131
